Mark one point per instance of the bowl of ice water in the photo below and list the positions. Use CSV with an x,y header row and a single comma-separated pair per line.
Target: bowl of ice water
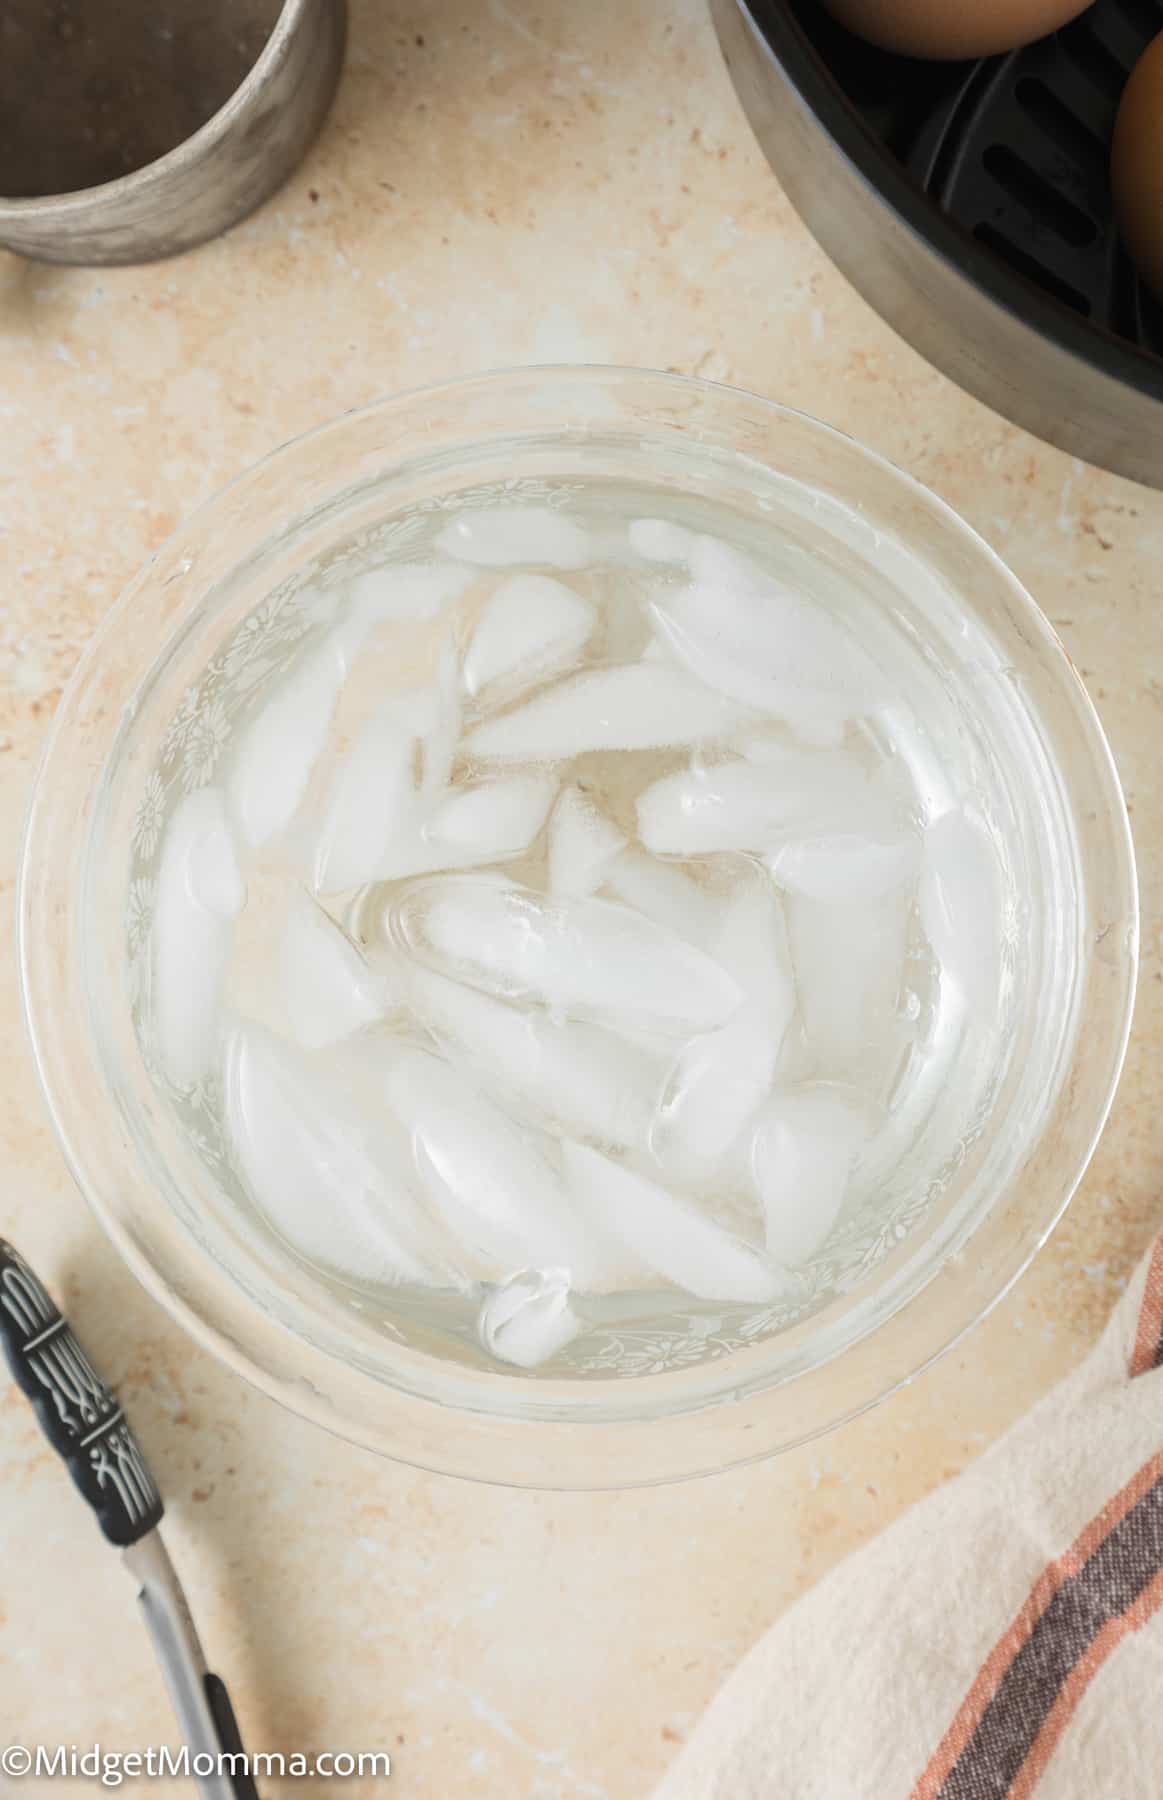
x,y
577,926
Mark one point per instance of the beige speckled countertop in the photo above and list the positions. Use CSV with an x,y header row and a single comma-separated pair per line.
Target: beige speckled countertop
x,y
508,182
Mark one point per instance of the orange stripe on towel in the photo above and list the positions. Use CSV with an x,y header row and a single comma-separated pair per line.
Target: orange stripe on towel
x,y
1150,1328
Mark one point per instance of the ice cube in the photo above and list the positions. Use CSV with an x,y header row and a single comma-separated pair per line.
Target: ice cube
x,y
659,541
817,714
720,1080
406,592
721,567
320,1171
803,1152
669,1234
582,842
766,743
755,617
498,536
960,902
709,559
532,627
370,823
849,964
842,865
586,958
328,990
636,707
577,1076
200,893
723,1077
745,632
489,822
751,941
495,1191
493,820
278,748
528,1318
748,806
663,893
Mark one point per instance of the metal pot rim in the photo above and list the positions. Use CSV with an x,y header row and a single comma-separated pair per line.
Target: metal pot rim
x,y
49,207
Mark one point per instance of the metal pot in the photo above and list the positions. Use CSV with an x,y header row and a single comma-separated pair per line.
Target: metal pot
x,y
972,211
244,149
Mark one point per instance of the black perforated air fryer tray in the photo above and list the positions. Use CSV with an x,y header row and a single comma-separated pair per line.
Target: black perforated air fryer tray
x,y
1016,148
970,204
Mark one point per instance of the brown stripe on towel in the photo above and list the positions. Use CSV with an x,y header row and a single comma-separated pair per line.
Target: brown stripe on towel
x,y
1107,1584
1077,1682
1148,1351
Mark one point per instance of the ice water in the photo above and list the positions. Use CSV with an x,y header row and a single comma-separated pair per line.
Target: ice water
x,y
589,923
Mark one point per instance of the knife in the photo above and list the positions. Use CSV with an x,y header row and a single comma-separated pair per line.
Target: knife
x,y
82,1421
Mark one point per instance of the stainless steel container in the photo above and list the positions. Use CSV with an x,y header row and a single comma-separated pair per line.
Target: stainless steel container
x,y
121,56
970,205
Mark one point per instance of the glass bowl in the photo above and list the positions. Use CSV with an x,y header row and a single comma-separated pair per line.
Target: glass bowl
x,y
221,606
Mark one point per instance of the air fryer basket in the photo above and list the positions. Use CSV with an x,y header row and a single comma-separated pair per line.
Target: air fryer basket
x,y
969,203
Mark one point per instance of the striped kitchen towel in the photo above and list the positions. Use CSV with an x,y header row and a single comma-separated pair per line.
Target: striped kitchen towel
x,y
1003,1639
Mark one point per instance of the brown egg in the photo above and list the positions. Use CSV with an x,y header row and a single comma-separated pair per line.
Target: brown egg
x,y
1137,165
946,29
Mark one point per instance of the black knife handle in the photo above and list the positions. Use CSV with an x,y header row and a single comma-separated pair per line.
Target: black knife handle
x,y
78,1415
